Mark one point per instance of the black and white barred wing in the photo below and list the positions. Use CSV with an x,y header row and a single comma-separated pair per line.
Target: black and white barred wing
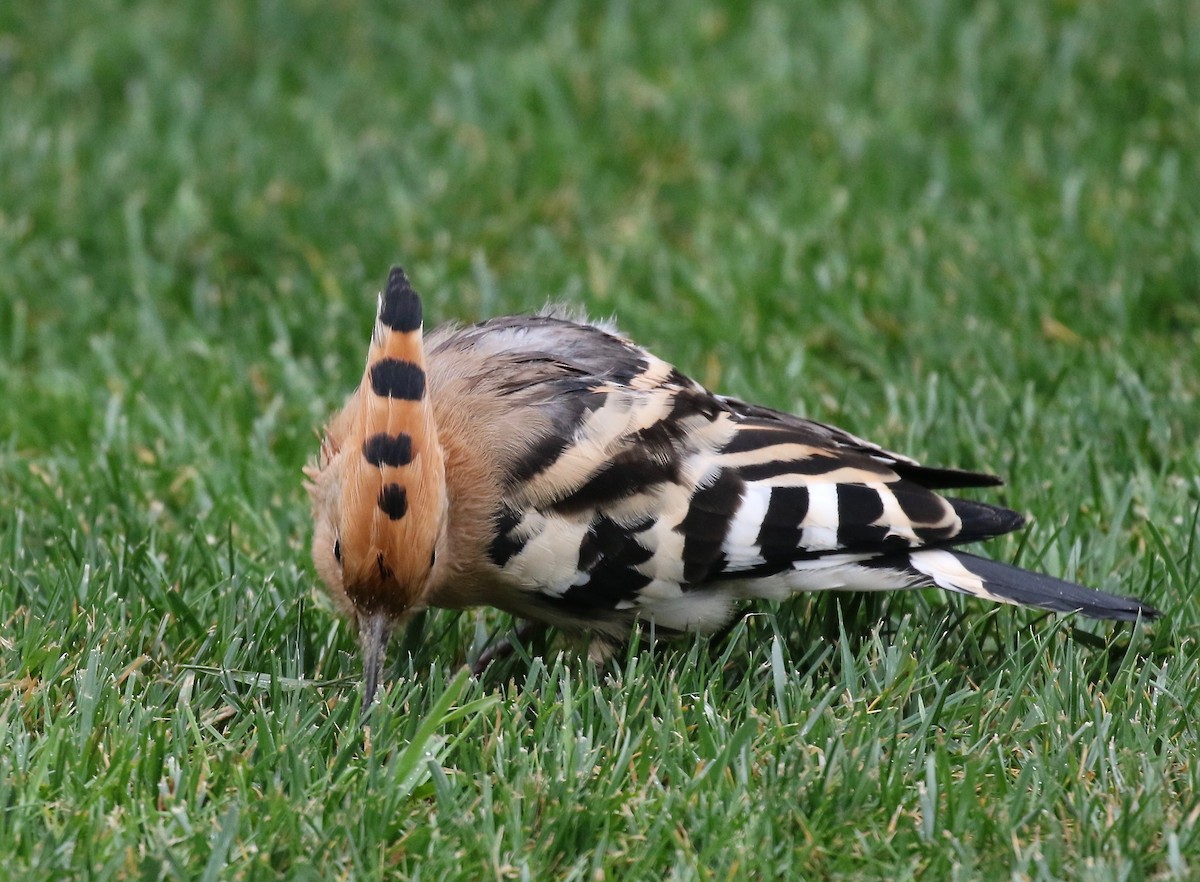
x,y
806,517
651,496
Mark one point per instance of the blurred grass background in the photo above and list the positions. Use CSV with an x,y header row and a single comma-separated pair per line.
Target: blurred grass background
x,y
968,231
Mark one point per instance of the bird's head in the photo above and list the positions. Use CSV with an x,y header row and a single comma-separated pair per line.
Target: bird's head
x,y
378,486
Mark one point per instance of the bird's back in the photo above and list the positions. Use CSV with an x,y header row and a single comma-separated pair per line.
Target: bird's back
x,y
619,488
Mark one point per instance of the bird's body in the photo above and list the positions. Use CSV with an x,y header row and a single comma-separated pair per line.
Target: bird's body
x,y
556,470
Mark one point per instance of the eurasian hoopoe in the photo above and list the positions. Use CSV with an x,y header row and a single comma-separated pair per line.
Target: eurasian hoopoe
x,y
558,471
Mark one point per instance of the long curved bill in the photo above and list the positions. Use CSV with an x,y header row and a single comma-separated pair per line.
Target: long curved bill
x,y
374,629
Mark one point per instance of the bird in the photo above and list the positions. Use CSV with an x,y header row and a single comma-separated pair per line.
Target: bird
x,y
548,466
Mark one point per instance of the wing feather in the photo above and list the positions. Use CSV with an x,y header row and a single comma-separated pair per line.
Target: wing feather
x,y
646,486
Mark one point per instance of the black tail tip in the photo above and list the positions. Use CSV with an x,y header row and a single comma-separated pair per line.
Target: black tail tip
x,y
1028,588
1115,608
1146,611
400,307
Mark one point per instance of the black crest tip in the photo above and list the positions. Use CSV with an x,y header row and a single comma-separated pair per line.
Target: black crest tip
x,y
382,449
400,308
396,378
393,501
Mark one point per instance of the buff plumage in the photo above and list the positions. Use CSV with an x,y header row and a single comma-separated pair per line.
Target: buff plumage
x,y
556,470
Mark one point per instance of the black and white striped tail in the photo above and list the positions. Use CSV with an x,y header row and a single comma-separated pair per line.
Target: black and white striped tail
x,y
979,577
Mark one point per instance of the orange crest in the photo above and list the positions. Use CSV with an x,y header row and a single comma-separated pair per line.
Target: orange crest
x,y
381,478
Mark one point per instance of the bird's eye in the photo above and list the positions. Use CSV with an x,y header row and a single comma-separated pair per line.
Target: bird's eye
x,y
337,551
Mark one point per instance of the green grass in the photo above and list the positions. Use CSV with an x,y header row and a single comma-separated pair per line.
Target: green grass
x,y
970,231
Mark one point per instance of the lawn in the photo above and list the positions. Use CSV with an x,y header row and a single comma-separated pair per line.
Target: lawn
x,y
969,231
